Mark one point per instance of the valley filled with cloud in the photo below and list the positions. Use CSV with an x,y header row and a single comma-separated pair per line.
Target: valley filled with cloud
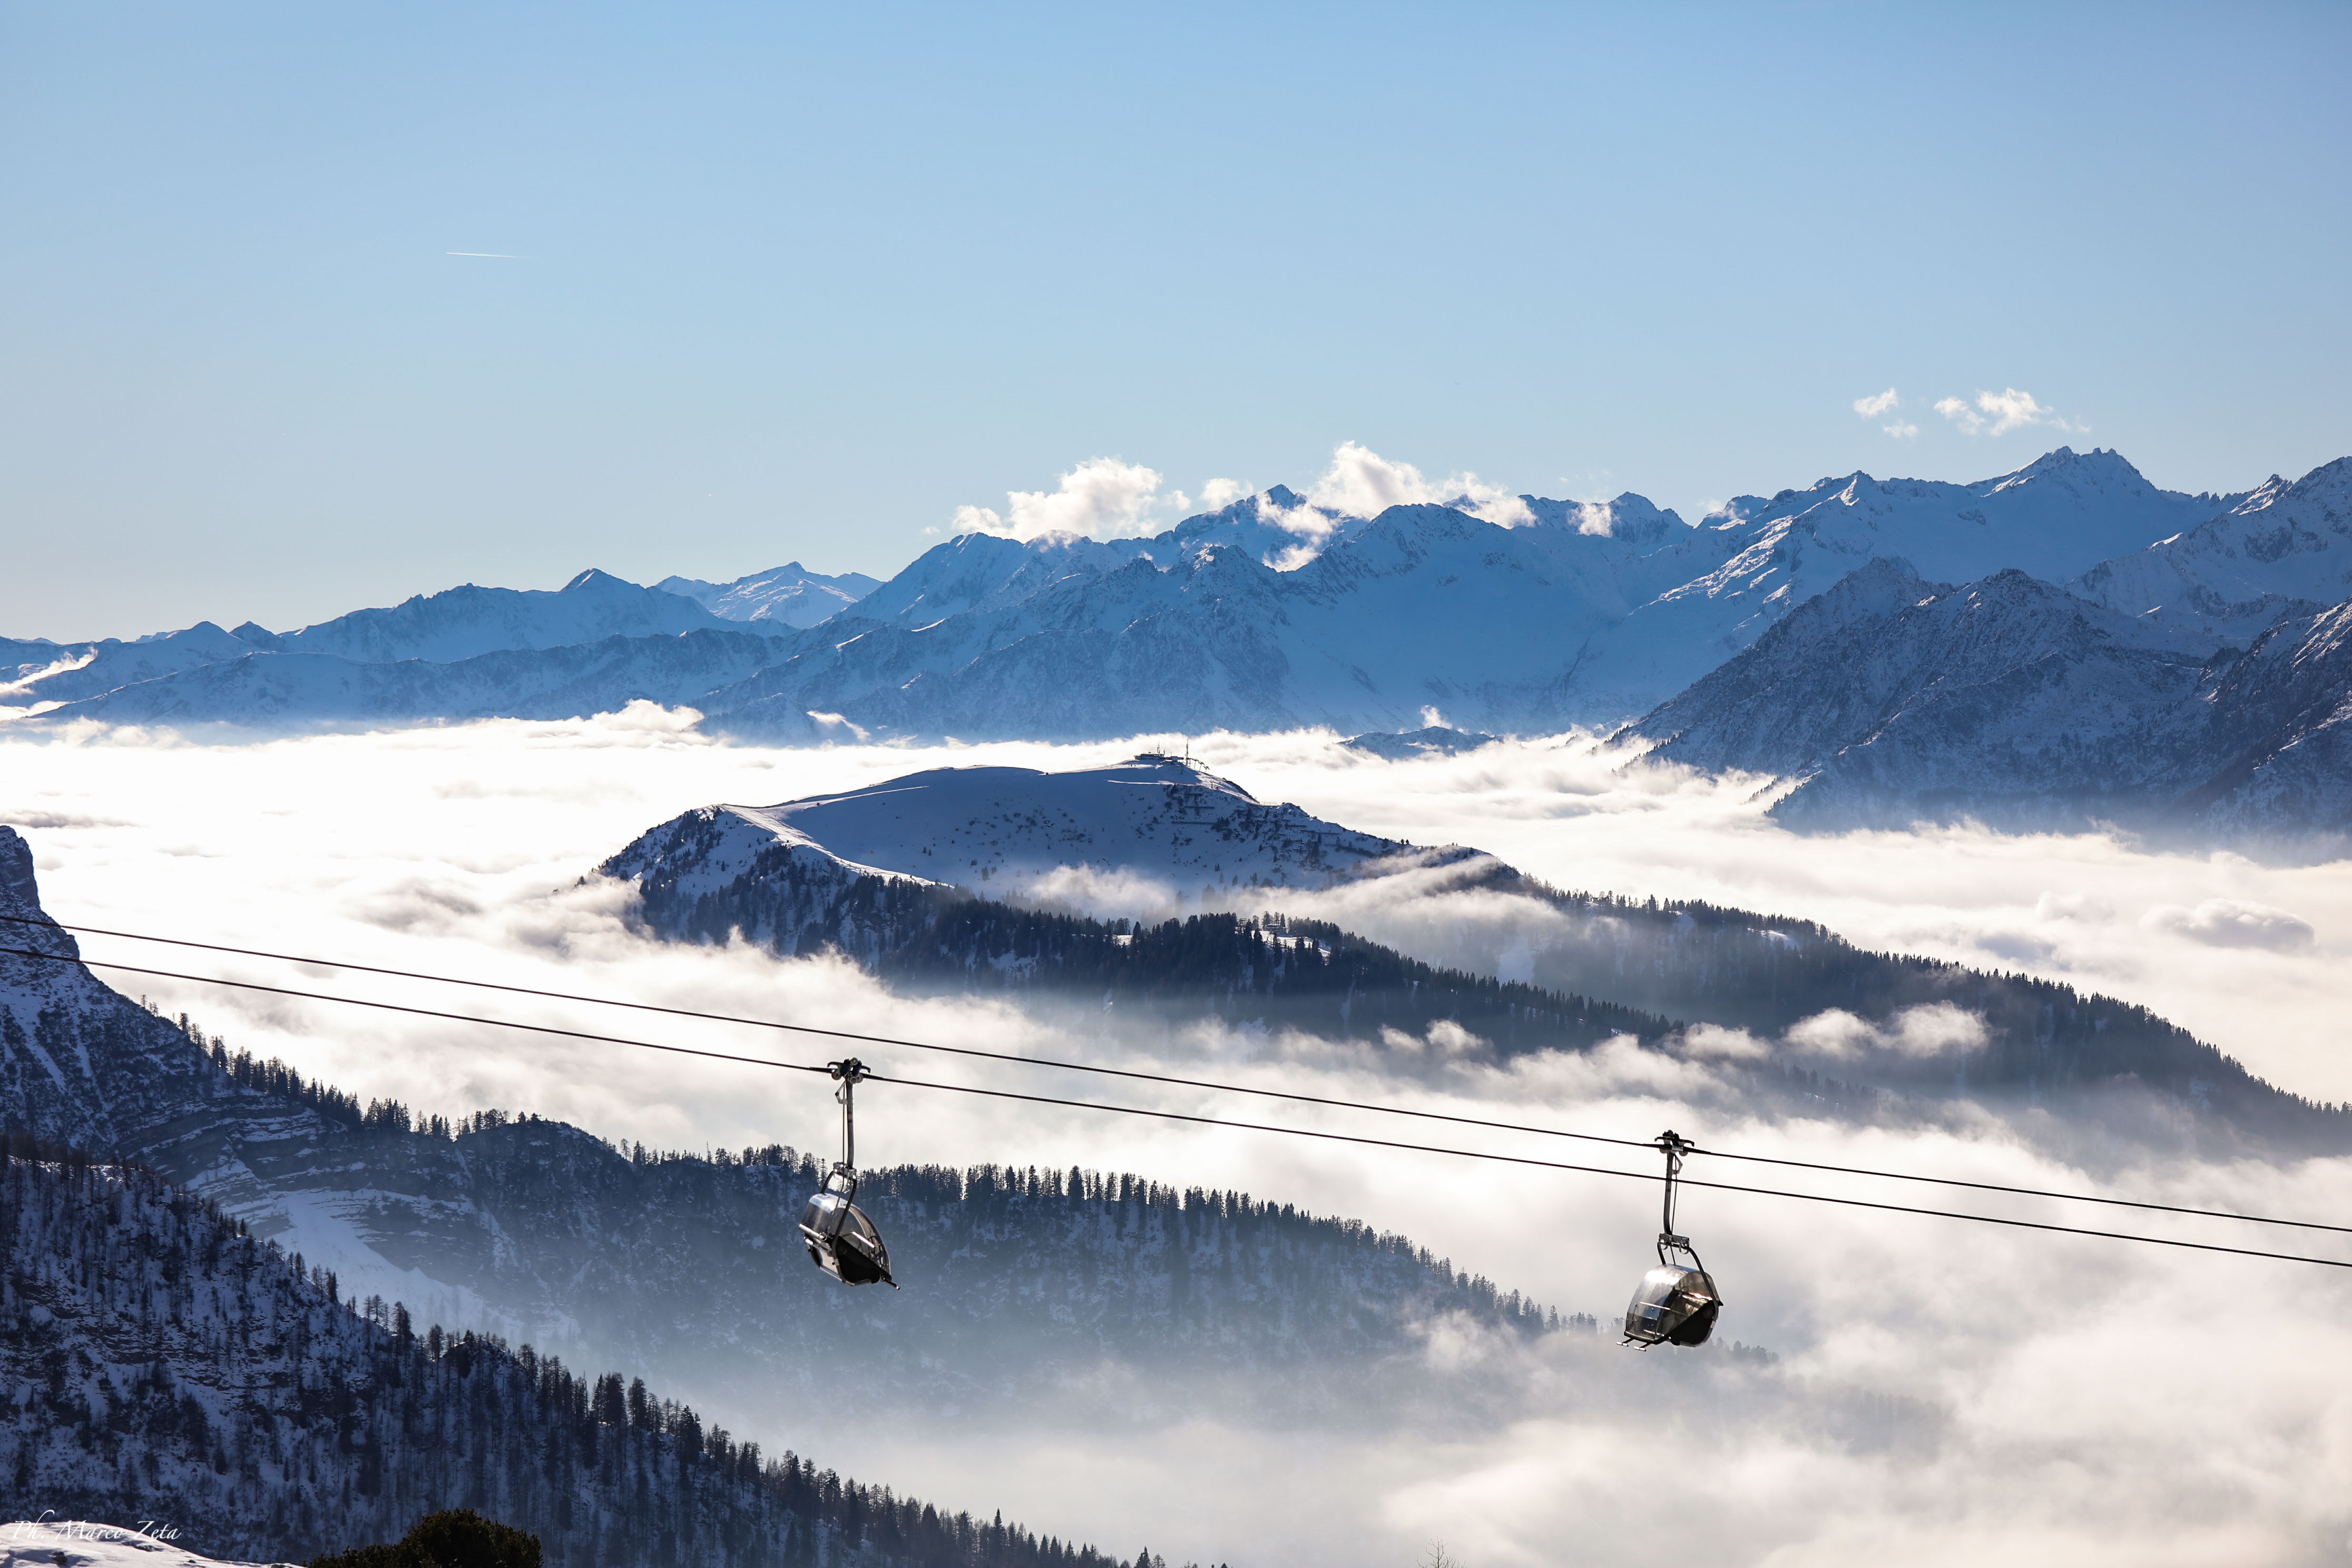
x,y
1972,1390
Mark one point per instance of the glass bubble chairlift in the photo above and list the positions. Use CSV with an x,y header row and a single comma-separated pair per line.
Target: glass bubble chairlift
x,y
840,1239
1673,1305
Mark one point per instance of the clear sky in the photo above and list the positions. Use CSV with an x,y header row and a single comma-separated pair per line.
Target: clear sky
x,y
764,281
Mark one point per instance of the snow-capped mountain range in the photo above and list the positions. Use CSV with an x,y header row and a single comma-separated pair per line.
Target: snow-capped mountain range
x,y
1266,613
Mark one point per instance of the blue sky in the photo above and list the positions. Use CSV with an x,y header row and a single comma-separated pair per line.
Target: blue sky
x,y
773,282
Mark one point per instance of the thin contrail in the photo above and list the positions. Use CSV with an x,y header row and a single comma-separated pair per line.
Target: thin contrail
x,y
485,255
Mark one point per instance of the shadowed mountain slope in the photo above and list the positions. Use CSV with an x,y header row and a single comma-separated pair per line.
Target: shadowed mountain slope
x,y
1889,699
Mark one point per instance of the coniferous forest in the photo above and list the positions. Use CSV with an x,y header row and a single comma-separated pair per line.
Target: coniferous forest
x,y
160,1362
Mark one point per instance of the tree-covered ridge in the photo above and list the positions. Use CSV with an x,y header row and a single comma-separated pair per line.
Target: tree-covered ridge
x,y
1282,970
168,1364
1661,965
1278,970
2043,1038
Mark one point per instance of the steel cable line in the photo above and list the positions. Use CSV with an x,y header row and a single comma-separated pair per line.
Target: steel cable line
x,y
1079,1067
1521,1160
1602,1170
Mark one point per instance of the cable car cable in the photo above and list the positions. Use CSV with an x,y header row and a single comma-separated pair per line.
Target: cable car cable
x,y
422,1012
1603,1171
829,1071
1154,1077
1185,1082
1035,1061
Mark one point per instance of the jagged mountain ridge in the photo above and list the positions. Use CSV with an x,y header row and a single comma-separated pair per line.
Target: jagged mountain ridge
x,y
1890,698
1236,618
2283,551
169,1365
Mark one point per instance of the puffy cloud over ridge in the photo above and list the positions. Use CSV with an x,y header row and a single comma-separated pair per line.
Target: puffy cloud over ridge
x,y
1110,498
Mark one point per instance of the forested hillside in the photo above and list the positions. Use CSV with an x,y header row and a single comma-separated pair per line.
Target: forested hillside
x,y
160,1362
1660,965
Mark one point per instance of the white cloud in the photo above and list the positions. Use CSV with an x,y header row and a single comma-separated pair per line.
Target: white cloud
x,y
2226,923
1108,497
1998,412
1102,498
1712,1042
1362,483
1927,1031
1880,404
1596,518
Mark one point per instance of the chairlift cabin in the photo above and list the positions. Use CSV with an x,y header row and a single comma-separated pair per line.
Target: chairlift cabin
x,y
1675,1304
840,1239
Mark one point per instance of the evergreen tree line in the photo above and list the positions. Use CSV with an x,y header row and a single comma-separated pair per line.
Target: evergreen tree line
x,y
160,1363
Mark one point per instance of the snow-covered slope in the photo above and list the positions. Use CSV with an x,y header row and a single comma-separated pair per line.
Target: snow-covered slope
x,y
980,572
460,623
2285,550
1158,826
790,593
1754,561
76,670
1890,698
2282,731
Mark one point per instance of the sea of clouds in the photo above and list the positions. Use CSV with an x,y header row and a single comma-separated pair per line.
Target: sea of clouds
x,y
1973,1392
